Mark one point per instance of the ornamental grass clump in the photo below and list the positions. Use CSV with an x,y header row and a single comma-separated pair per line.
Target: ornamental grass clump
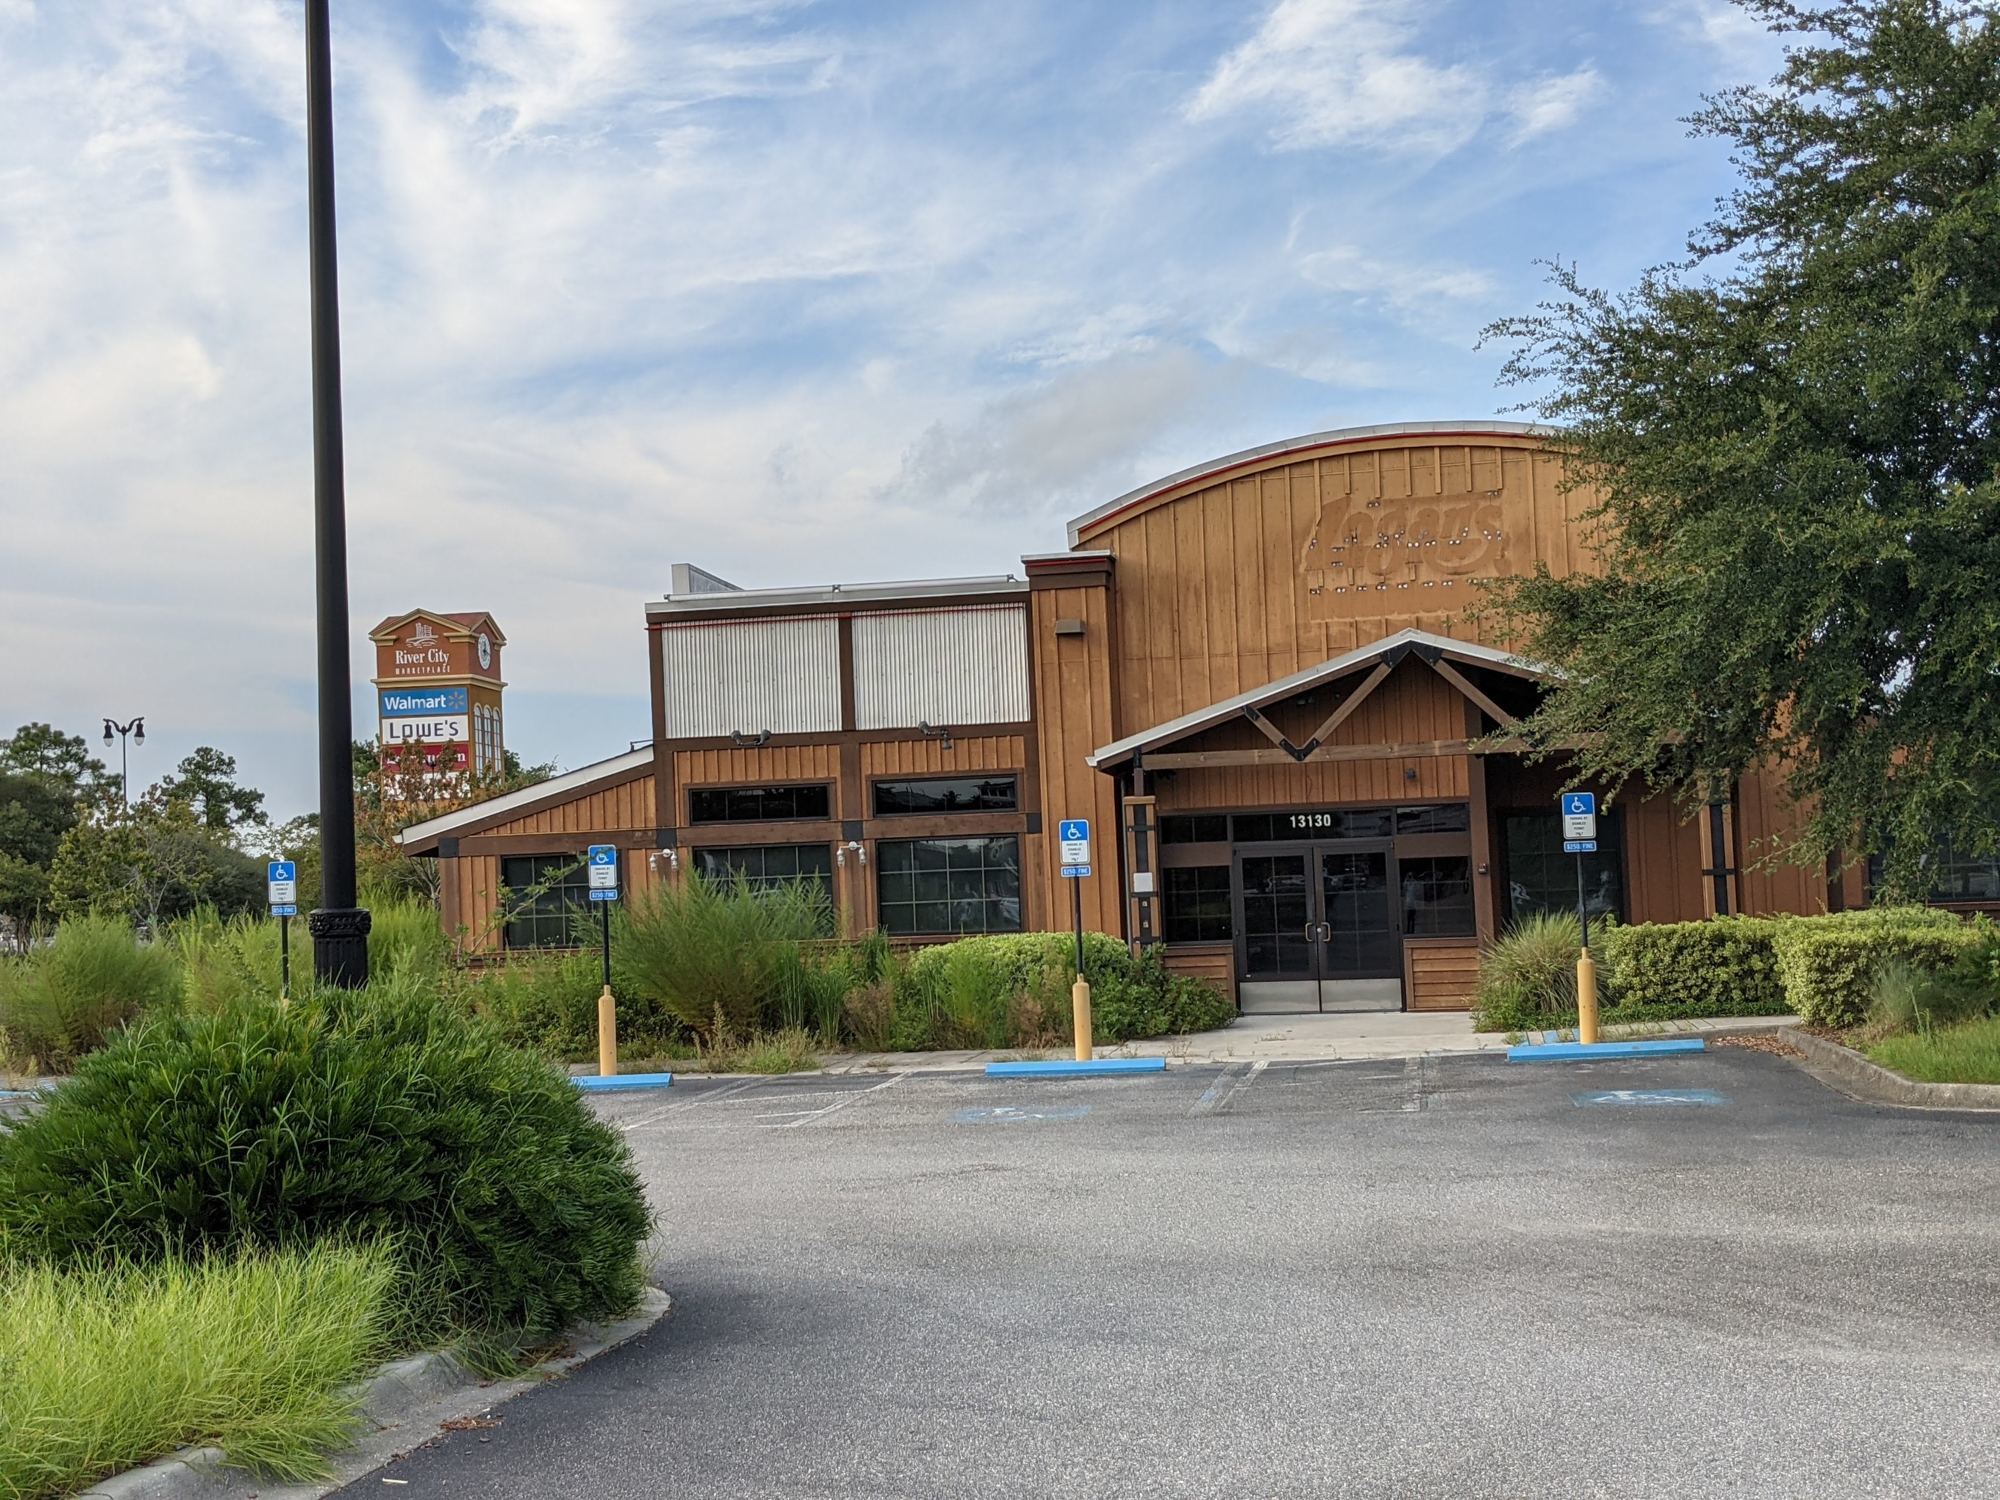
x,y
1527,979
700,948
65,1000
107,1367
512,1210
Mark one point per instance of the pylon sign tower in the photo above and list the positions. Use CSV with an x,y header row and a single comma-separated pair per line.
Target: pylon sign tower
x,y
438,689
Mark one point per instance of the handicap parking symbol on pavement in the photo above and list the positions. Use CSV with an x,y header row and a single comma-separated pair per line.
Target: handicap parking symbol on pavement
x,y
1650,1096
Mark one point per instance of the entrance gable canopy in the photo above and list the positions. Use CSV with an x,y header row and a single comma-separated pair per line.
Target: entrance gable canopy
x,y
1442,654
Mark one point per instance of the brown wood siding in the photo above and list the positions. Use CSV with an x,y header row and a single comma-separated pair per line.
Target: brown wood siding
x,y
626,806
1074,715
1440,973
1413,704
767,765
998,752
1766,824
1214,964
1662,861
474,896
1227,585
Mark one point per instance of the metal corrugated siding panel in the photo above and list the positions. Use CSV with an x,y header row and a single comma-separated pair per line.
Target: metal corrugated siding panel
x,y
940,666
780,675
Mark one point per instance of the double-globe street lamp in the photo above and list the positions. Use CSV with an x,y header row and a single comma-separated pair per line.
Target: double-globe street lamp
x,y
137,729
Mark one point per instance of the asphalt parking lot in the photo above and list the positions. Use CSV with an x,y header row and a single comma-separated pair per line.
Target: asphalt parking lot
x,y
1436,1277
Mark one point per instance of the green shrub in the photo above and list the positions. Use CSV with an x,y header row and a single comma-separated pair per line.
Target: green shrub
x,y
1828,964
1722,967
703,948
1527,979
381,1114
1013,990
547,1003
67,999
110,1367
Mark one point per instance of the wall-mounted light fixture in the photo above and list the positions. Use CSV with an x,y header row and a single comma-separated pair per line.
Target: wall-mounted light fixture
x,y
749,741
860,853
935,731
671,856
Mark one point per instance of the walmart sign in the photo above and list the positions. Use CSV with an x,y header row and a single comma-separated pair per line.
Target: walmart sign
x,y
410,703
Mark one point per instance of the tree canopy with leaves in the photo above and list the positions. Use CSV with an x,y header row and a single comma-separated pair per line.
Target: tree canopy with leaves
x,y
1796,431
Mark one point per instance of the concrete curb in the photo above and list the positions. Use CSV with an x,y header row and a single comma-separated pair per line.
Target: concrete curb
x,y
400,1408
1856,1076
1707,1028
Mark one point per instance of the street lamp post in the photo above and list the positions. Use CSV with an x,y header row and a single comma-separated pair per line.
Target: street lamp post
x,y
339,927
137,729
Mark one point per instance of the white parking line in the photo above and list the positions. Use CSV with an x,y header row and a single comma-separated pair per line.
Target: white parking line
x,y
1218,1095
704,1097
846,1098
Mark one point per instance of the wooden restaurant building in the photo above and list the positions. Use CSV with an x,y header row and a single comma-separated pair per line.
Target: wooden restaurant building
x,y
1255,679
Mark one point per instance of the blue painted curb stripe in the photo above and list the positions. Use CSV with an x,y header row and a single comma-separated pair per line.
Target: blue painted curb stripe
x,y
619,1083
1578,1052
1098,1068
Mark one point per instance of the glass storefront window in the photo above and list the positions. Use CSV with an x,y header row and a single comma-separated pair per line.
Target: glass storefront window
x,y
939,886
1437,896
1540,877
1197,905
947,794
544,895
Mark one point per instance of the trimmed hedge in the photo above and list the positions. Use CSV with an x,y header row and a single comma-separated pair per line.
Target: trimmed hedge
x,y
1828,964
1723,967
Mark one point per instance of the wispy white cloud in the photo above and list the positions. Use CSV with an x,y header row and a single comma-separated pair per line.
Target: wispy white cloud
x,y
1554,102
1344,72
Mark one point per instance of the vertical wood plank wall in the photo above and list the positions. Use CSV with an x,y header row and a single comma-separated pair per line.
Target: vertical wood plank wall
x,y
1211,591
1074,714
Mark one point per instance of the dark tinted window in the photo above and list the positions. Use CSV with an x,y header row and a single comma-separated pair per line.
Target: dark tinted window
x,y
1540,877
758,804
1953,876
1200,828
542,895
948,885
1437,895
946,794
1440,817
767,864
1197,902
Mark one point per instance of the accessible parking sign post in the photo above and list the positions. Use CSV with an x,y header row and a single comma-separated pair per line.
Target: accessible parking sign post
x,y
281,893
602,862
1075,840
1579,827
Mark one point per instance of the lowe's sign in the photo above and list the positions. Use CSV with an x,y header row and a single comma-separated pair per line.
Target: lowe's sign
x,y
411,703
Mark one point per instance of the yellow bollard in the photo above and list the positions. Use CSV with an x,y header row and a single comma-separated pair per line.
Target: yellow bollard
x,y
1079,1004
607,1035
1586,998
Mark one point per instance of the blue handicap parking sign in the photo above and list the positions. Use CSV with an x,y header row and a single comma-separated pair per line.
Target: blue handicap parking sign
x,y
1076,830
1580,804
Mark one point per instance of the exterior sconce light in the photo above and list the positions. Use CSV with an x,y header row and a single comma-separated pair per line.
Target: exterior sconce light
x,y
860,853
744,741
672,857
935,731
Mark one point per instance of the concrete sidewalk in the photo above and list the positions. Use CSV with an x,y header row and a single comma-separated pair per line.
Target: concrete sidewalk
x,y
1304,1038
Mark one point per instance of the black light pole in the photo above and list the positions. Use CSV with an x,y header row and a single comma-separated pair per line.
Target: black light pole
x,y
137,729
339,927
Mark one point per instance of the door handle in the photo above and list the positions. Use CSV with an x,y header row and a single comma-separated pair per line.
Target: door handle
x,y
1319,932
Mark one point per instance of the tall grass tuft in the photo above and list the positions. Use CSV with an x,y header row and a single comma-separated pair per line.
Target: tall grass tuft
x,y
1908,997
108,1368
67,999
704,948
230,960
406,938
1528,978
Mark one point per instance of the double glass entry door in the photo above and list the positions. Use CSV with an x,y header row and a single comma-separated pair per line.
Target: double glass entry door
x,y
1320,929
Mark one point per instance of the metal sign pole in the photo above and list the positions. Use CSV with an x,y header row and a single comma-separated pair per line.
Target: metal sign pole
x,y
285,960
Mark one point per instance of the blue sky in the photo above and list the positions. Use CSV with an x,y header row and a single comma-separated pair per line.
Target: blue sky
x,y
799,292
